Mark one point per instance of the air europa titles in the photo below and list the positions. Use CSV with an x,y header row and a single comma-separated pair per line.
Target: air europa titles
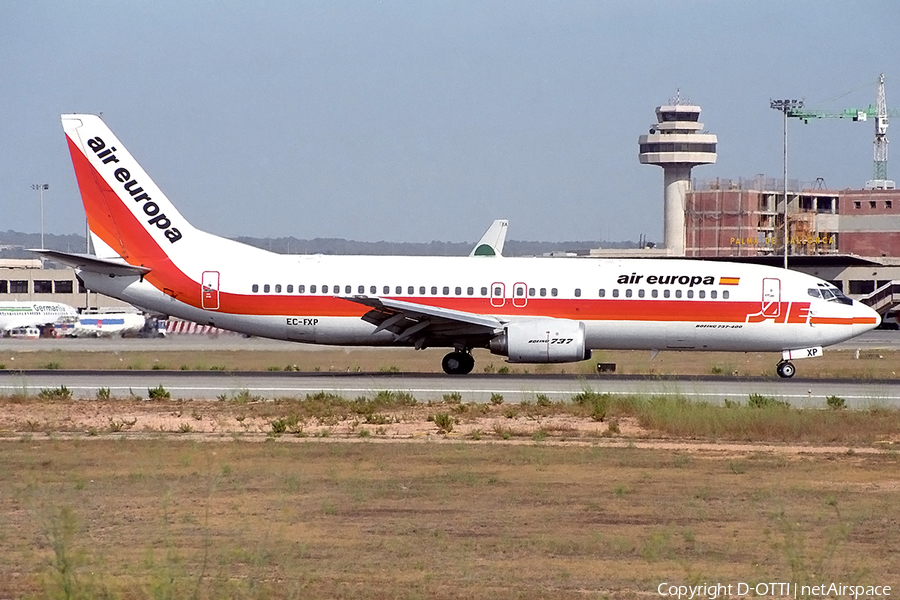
x,y
131,186
688,280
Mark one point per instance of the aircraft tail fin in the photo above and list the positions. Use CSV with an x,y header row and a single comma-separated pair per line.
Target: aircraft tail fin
x,y
128,215
491,243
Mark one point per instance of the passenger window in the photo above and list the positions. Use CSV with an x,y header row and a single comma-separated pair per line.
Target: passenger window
x,y
348,289
266,288
470,291
498,291
387,290
725,295
484,291
602,293
628,293
324,289
712,294
446,291
654,293
301,289
434,290
578,292
615,293
678,293
543,292
312,289
666,293
640,293
277,288
410,290
553,292
255,288
421,290
458,291
702,294
531,291
290,288
520,291
690,293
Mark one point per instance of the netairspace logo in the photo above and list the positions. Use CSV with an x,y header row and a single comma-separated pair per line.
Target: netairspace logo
x,y
712,591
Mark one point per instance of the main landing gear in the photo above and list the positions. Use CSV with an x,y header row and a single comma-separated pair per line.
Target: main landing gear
x,y
785,369
458,363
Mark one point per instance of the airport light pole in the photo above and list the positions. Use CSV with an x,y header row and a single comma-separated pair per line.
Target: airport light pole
x,y
785,106
40,187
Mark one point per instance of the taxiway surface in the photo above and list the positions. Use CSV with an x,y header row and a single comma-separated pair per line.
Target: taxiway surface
x,y
428,387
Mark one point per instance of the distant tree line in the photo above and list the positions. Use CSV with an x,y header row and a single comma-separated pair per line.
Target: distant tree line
x,y
13,244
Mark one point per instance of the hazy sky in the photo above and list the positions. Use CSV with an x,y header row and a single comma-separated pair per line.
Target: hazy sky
x,y
415,121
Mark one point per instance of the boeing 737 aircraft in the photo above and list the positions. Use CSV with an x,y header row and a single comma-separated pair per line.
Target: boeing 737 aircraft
x,y
530,310
14,315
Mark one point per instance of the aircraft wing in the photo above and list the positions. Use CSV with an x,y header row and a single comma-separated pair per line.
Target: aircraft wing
x,y
419,322
93,264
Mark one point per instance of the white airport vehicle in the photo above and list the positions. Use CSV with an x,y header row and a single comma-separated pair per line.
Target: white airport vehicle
x,y
18,315
25,333
107,322
530,310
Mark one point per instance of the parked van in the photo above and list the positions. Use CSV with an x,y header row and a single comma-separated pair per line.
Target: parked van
x,y
30,333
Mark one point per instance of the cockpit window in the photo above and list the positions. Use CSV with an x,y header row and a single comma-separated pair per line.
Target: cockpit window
x,y
829,294
840,297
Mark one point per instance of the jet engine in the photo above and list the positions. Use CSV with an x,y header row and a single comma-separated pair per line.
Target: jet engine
x,y
542,341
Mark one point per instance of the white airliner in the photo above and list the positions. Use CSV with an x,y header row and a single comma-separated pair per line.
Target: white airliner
x,y
531,310
15,315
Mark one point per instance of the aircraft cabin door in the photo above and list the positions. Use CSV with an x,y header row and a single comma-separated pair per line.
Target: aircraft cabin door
x,y
771,297
209,293
520,295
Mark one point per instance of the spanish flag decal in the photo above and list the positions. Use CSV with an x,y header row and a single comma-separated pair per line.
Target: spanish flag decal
x,y
729,280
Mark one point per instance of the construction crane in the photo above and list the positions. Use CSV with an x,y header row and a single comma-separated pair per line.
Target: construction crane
x,y
880,113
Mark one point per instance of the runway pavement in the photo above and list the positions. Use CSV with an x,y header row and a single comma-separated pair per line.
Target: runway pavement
x,y
879,339
473,388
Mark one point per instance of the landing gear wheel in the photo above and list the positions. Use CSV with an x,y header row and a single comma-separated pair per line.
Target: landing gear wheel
x,y
785,369
458,363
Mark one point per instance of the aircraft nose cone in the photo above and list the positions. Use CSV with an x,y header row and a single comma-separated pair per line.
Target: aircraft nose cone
x,y
867,319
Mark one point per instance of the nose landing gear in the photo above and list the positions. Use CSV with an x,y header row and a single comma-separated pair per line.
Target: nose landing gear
x,y
458,363
785,369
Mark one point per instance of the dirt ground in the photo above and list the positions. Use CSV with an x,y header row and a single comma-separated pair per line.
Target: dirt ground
x,y
200,420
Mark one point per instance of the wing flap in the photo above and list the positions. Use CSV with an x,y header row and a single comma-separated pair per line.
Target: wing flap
x,y
414,322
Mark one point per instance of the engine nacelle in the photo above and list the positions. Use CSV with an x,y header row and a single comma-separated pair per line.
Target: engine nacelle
x,y
542,341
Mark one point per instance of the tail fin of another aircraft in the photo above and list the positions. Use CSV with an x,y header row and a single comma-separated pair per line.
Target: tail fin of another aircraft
x,y
128,215
491,243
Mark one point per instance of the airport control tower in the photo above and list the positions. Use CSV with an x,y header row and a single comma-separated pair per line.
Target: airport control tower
x,y
676,143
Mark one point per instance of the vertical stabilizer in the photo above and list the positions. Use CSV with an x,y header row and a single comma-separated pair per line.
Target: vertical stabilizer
x,y
491,243
128,215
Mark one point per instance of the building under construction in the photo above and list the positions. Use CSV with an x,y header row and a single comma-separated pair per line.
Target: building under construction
x,y
745,217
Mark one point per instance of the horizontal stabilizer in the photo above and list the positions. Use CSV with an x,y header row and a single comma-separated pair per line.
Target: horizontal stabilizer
x,y
92,264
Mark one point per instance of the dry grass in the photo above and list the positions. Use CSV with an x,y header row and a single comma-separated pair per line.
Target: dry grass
x,y
397,416
881,364
169,519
